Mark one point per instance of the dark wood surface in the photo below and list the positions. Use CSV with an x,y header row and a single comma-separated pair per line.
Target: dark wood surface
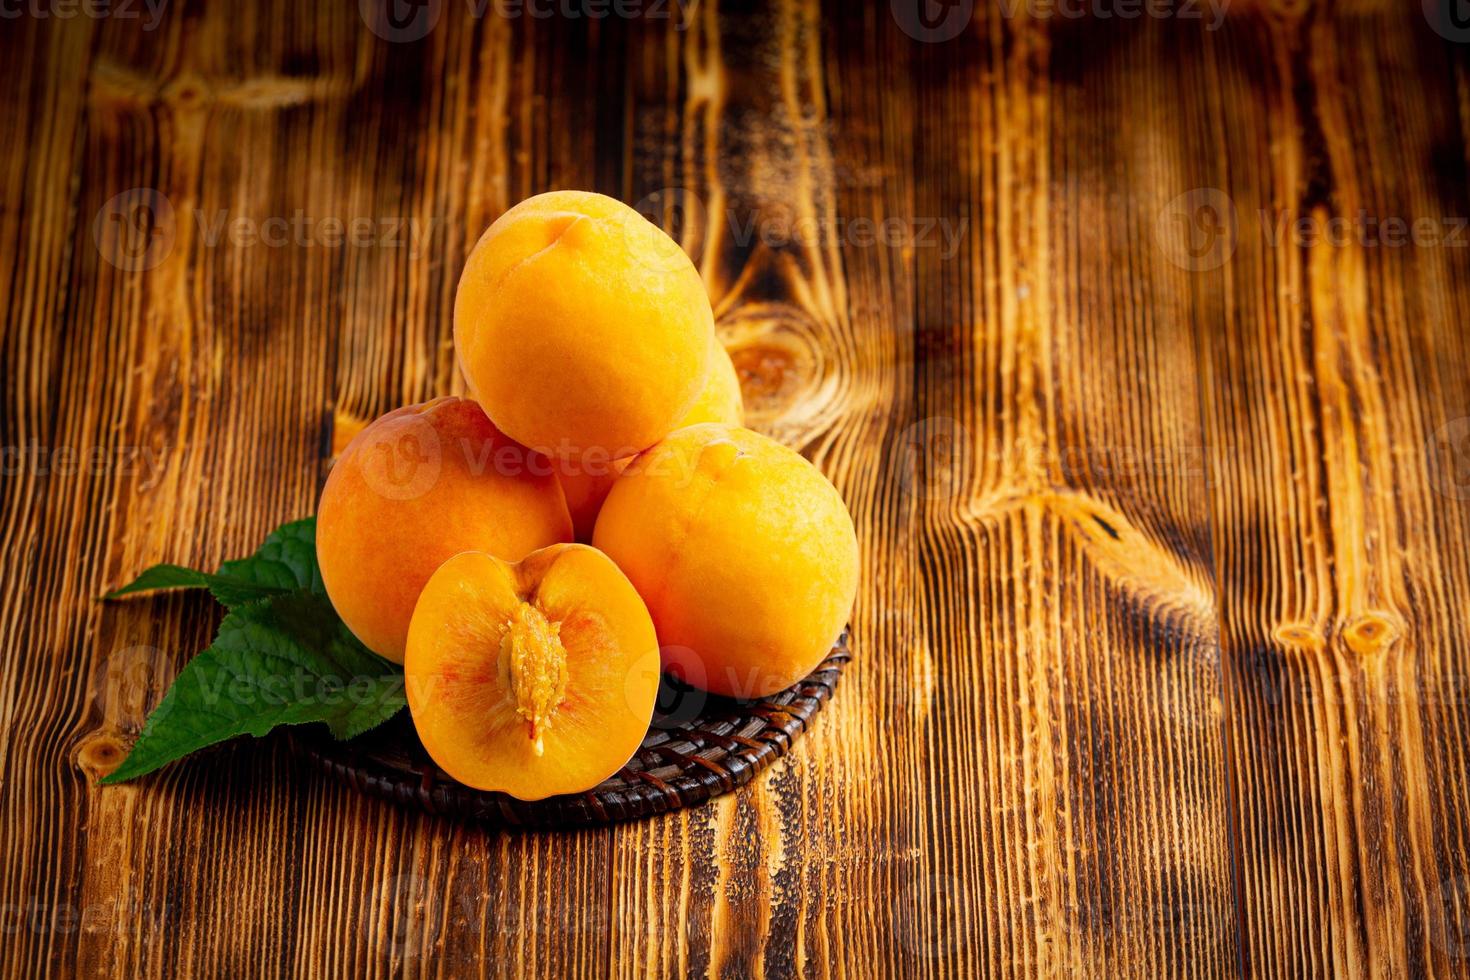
x,y
1161,656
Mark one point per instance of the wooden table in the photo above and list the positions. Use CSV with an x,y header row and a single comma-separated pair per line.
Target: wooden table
x,y
1137,346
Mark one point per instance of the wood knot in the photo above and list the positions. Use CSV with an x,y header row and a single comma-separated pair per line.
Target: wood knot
x,y
1300,637
100,753
779,358
1371,633
188,92
775,374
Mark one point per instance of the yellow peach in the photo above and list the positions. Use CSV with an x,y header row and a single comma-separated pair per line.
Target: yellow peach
x,y
586,481
415,487
582,328
533,678
744,552
720,399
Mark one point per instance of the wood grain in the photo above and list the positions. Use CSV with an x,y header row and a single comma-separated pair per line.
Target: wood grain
x,y
1161,664
1344,589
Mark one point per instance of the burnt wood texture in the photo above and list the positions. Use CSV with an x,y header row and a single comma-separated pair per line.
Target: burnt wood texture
x,y
1136,344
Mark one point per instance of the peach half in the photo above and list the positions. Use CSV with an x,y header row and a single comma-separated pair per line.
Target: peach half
x,y
533,678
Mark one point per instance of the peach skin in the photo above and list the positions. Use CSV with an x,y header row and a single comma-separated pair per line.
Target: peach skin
x,y
586,482
743,551
415,487
581,327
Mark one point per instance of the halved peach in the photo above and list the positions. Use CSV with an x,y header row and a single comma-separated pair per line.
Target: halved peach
x,y
532,678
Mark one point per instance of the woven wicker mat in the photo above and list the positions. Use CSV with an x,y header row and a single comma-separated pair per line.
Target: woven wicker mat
x,y
698,747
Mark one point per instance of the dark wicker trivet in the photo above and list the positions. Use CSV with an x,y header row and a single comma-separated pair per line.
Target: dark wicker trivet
x,y
698,747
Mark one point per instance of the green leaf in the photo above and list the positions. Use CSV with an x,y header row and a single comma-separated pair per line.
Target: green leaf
x,y
163,577
285,562
285,660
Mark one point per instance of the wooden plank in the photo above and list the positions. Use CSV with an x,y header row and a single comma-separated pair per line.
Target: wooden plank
x,y
1087,530
1337,374
46,508
230,351
770,877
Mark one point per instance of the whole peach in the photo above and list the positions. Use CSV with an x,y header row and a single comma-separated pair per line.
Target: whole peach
x,y
582,328
417,486
744,552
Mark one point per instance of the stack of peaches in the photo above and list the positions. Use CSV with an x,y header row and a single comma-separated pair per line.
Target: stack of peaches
x,y
595,514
